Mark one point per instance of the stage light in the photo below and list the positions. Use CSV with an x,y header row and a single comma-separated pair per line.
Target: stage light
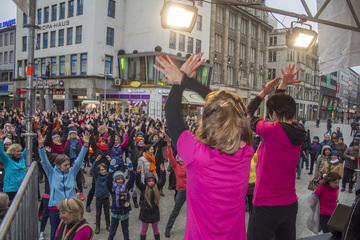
x,y
178,16
300,38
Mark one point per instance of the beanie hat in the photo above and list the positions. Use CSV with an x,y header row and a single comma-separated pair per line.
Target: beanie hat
x,y
316,137
55,136
149,176
117,175
139,133
6,140
334,152
103,138
70,132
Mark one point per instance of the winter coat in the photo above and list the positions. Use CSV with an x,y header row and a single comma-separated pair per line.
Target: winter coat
x,y
351,152
121,209
98,151
117,152
149,214
134,149
101,190
322,144
320,162
15,171
313,220
328,167
145,167
67,149
61,184
341,147
314,148
329,124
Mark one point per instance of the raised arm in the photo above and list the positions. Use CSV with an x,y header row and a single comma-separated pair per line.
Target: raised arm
x,y
84,149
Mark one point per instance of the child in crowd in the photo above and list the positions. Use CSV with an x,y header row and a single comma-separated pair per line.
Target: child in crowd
x,y
101,193
321,160
120,208
149,201
313,150
332,165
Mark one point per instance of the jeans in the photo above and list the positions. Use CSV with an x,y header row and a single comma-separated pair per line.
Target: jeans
x,y
179,202
91,193
78,181
45,215
298,170
114,226
324,219
99,203
348,174
54,215
312,162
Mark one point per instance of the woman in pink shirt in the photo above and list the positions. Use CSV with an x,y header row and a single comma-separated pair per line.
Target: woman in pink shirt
x,y
217,157
327,191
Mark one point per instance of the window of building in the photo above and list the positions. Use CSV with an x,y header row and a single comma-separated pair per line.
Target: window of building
x,y
24,43
1,57
73,64
43,67
69,36
62,65
80,7
52,38
242,51
190,47
273,41
6,39
45,40
232,21
36,68
53,12
110,36
252,55
5,57
231,45
19,68
62,10
199,23
1,40
252,79
61,37
254,30
262,35
39,15
271,73
172,42
78,34
262,57
11,56
108,64
46,14
12,38
244,26
218,43
200,3
83,63
111,8
24,19
71,8
217,73
219,14
272,56
230,75
290,56
198,46
53,67
181,42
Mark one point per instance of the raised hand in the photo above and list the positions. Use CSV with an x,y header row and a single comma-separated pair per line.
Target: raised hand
x,y
288,76
41,139
192,64
162,167
98,158
86,138
173,75
2,135
266,89
138,170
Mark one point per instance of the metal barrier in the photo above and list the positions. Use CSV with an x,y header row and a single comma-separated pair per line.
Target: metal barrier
x,y
21,221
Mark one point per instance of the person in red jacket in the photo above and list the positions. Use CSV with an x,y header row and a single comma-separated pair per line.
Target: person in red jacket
x,y
327,191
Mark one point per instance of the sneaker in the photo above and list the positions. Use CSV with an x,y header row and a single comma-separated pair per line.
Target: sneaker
x,y
167,233
82,198
309,173
342,189
41,236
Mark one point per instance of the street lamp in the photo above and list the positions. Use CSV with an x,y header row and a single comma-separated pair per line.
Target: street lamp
x,y
106,75
177,16
300,38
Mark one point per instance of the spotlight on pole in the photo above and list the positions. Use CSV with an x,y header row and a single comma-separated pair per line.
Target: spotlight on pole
x,y
301,38
178,16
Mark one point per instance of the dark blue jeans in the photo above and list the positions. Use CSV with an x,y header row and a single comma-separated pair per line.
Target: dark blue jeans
x,y
179,202
45,215
54,215
114,226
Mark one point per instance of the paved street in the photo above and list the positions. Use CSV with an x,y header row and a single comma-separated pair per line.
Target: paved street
x,y
166,203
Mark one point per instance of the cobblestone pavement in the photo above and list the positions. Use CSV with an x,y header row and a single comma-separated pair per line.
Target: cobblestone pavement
x,y
167,202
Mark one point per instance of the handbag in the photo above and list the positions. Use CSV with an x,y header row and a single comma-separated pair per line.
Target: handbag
x,y
313,184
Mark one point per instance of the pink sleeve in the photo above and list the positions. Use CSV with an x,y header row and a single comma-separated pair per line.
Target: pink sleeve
x,y
83,234
125,142
318,191
263,127
186,146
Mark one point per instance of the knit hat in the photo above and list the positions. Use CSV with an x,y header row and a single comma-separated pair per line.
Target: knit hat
x,y
334,152
6,140
103,138
55,136
139,133
316,137
117,175
149,176
70,132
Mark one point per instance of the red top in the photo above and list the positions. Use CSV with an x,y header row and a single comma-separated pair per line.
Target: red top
x,y
82,234
328,199
179,169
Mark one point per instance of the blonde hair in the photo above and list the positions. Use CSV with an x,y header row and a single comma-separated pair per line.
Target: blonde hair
x,y
11,150
73,206
225,122
101,128
148,195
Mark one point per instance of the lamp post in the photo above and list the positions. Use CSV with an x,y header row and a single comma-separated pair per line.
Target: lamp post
x,y
106,75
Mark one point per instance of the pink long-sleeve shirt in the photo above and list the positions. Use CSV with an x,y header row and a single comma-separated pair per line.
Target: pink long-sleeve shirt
x,y
216,189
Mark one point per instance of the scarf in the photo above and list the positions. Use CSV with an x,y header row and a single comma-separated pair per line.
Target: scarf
x,y
151,159
102,148
335,161
118,189
60,149
73,143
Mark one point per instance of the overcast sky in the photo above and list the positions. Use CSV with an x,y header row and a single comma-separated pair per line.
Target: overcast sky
x,y
8,11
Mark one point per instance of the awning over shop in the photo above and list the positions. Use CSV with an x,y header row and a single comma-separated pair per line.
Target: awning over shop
x,y
90,102
5,93
192,98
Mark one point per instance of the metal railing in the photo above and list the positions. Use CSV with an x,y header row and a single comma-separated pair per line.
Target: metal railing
x,y
21,221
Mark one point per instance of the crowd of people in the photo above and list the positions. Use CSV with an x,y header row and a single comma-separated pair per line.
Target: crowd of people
x,y
127,153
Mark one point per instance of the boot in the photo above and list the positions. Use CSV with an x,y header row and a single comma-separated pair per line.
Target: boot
x,y
97,229
108,226
162,193
136,205
142,237
88,209
157,237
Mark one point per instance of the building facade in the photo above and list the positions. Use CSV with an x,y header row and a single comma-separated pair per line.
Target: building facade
x,y
238,49
307,93
348,82
81,41
7,61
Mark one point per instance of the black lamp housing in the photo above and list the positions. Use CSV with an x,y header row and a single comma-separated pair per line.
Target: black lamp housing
x,y
294,33
165,11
